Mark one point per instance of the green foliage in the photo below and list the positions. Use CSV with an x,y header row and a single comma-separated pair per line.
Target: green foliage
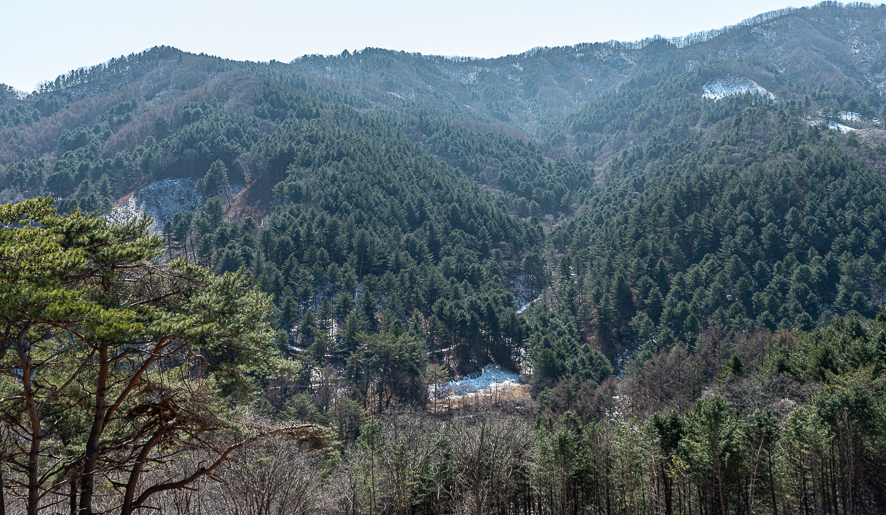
x,y
215,182
846,346
739,245
397,208
517,168
385,366
99,343
555,352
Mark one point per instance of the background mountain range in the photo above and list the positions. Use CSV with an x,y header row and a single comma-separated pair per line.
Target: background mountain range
x,y
680,244
379,187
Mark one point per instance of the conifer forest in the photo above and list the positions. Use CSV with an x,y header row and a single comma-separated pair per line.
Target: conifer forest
x,y
611,278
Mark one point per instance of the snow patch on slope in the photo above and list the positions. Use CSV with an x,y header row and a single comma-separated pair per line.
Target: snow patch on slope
x,y
834,126
840,127
527,304
161,200
125,212
492,379
722,88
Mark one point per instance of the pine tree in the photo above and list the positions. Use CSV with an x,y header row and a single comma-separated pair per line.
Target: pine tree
x,y
114,340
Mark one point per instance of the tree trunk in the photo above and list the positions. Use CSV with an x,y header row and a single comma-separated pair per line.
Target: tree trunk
x,y
2,499
666,487
73,497
36,431
87,483
129,496
720,476
372,474
772,482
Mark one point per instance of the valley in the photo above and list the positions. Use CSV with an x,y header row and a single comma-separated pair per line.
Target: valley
x,y
638,276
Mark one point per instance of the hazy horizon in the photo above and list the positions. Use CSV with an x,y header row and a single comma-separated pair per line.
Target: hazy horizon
x,y
53,38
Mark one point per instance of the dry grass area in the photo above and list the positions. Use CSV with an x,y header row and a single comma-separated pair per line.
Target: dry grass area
x,y
243,205
122,201
516,397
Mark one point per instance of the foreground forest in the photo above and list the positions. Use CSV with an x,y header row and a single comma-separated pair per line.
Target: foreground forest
x,y
677,243
133,385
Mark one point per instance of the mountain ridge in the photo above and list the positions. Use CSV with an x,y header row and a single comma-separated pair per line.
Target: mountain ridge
x,y
536,141
680,250
560,85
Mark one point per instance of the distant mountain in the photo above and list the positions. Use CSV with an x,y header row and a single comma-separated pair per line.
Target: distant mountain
x,y
829,45
448,188
680,244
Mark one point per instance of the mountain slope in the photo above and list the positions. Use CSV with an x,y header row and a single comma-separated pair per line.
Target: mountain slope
x,y
384,175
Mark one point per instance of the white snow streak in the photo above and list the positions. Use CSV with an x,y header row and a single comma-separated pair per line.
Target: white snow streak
x,y
524,306
834,126
492,379
722,88
161,200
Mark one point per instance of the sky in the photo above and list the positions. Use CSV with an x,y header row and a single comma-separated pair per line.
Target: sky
x,y
41,40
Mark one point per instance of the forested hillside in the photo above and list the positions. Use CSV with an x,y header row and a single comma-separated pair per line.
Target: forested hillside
x,y
677,244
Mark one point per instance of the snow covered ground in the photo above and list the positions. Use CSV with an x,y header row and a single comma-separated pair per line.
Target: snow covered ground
x,y
492,379
722,88
162,200
123,213
831,125
523,294
527,304
848,116
840,127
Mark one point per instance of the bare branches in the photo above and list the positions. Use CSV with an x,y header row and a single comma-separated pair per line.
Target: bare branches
x,y
299,432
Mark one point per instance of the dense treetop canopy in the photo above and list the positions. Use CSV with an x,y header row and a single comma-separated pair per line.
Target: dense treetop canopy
x,y
358,228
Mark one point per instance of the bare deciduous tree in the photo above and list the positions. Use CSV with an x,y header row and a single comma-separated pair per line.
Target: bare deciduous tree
x,y
486,456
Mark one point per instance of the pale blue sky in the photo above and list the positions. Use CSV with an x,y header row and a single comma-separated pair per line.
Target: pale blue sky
x,y
43,39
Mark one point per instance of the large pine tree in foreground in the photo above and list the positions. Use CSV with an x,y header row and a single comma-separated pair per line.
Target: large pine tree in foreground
x,y
110,364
